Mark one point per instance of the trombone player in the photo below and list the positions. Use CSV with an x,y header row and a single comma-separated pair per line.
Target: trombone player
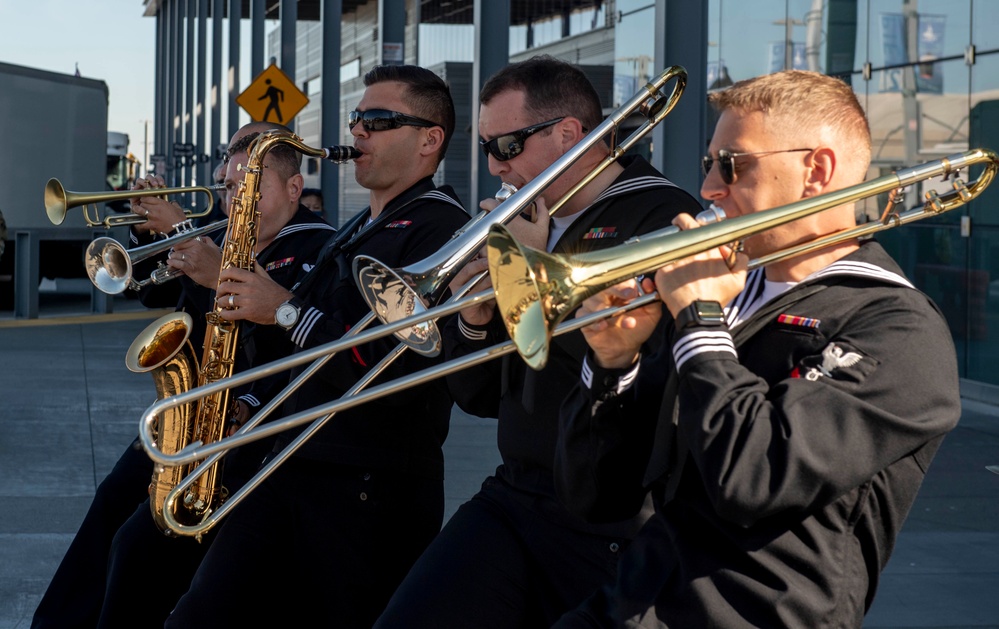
x,y
512,556
788,422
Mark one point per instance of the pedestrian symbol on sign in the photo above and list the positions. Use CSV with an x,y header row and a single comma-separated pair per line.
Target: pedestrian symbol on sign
x,y
272,97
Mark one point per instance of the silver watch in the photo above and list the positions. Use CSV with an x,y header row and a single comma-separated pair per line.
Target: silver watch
x,y
286,315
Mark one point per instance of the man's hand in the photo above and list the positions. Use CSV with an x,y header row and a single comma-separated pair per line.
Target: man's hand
x,y
199,259
161,215
617,340
705,276
250,296
482,313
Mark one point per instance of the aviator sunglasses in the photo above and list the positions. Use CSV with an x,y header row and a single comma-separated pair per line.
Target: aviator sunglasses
x,y
384,120
726,162
510,145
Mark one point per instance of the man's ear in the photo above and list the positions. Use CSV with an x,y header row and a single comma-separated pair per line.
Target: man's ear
x,y
433,139
294,186
821,164
572,131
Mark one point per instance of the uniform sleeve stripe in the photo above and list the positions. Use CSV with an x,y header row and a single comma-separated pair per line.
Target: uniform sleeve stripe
x,y
702,342
251,400
305,325
469,332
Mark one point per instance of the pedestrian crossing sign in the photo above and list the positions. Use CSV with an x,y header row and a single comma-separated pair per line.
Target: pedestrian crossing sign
x,y
272,97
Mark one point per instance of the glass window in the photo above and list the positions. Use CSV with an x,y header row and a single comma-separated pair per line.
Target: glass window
x,y
980,291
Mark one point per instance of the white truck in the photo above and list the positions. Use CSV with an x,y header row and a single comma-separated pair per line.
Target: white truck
x,y
53,126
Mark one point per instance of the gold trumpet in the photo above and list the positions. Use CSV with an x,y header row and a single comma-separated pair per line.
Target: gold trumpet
x,y
58,201
536,290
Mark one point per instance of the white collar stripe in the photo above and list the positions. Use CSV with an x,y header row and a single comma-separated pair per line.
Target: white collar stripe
x,y
638,183
861,269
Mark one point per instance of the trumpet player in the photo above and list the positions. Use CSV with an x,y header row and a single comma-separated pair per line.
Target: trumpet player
x,y
789,420
104,573
512,556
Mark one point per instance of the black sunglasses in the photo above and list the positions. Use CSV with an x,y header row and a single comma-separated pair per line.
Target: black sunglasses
x,y
510,145
726,162
384,120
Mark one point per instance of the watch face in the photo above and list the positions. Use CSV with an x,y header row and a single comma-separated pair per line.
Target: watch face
x,y
286,315
710,310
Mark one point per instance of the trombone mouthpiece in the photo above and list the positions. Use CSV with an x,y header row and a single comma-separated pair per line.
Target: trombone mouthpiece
x,y
341,154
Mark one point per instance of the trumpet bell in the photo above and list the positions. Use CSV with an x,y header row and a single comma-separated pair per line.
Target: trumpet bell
x,y
108,265
56,204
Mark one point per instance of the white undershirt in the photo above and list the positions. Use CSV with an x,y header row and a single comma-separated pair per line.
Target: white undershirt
x,y
770,291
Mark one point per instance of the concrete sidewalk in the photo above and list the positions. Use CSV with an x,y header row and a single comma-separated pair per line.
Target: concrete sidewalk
x,y
68,407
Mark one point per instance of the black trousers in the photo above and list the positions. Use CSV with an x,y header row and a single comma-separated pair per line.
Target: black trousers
x,y
76,592
314,545
505,560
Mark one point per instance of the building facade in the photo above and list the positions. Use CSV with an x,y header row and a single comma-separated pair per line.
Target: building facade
x,y
926,71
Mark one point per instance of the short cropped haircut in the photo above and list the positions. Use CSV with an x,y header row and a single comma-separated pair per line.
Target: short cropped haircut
x,y
551,87
808,102
426,94
286,160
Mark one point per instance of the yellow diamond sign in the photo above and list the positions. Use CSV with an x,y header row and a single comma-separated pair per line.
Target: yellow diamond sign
x,y
272,97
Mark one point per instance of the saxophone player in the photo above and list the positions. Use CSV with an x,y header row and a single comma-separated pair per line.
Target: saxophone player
x,y
105,570
334,529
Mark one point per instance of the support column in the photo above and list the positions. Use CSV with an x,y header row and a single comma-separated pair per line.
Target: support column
x,y
235,18
218,7
392,19
192,7
492,52
202,150
679,140
329,174
257,13
289,37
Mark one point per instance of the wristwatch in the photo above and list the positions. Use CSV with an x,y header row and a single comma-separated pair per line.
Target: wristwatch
x,y
705,313
286,314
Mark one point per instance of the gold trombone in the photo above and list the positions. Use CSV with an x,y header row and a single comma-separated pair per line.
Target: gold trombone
x,y
536,290
424,284
640,255
58,201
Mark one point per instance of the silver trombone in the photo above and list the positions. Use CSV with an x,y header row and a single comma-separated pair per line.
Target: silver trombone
x,y
421,333
396,293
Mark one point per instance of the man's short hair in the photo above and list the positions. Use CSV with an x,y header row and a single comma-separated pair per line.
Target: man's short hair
x,y
801,101
426,94
312,192
551,88
286,160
